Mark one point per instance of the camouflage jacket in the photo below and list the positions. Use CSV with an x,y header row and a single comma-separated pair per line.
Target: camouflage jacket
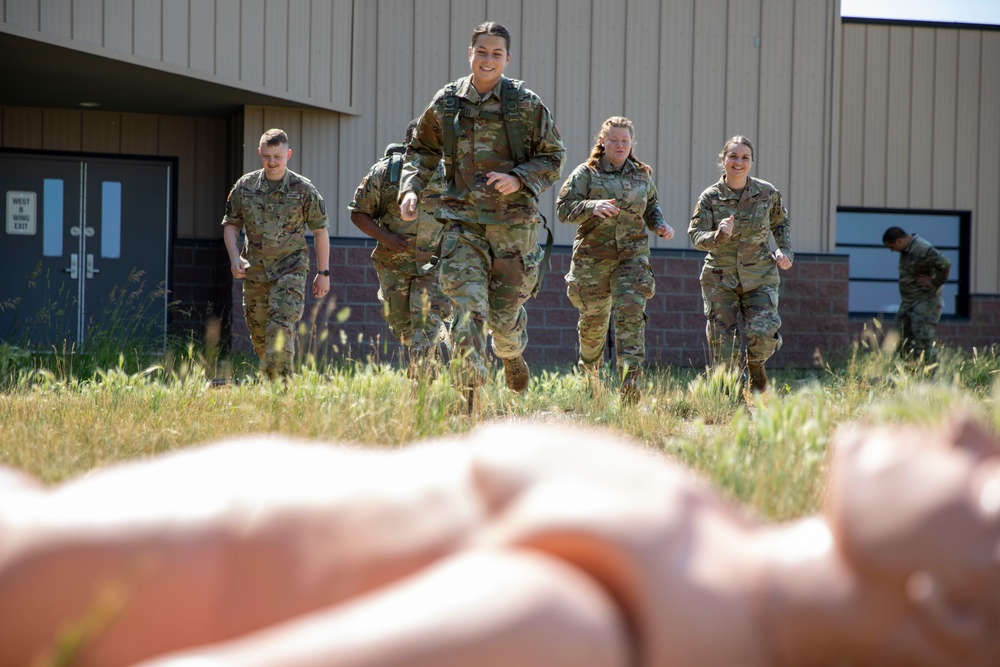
x,y
920,258
482,147
623,236
377,196
275,222
744,258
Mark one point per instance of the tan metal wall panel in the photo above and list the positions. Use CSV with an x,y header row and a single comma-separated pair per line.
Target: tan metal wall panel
x,y
56,17
945,118
22,13
876,106
672,152
341,64
139,134
210,176
967,113
393,79
298,49
357,148
320,49
571,105
609,58
88,21
921,118
177,33
22,128
897,135
322,166
809,178
742,69
228,47
254,36
774,136
202,42
708,93
174,135
852,115
431,26
61,130
986,219
465,15
275,43
118,25
147,29
101,132
542,51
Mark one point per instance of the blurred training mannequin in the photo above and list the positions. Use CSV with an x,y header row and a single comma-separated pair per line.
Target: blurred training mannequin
x,y
516,545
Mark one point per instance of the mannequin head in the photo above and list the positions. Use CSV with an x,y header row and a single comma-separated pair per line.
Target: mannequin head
x,y
915,513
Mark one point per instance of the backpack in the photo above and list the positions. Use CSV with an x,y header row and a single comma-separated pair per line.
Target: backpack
x,y
510,94
394,171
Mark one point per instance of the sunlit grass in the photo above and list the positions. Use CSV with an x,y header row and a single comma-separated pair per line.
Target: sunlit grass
x,y
767,451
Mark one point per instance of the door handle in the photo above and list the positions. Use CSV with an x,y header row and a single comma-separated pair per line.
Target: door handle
x,y
91,271
74,266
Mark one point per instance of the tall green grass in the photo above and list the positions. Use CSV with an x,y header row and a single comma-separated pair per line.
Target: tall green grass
x,y
766,451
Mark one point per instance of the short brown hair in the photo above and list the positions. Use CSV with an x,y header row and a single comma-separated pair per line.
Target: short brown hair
x,y
490,28
274,137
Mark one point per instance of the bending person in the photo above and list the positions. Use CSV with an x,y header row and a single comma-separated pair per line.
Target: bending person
x,y
519,545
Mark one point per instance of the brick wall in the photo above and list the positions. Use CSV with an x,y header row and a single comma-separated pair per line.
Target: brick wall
x,y
201,288
813,308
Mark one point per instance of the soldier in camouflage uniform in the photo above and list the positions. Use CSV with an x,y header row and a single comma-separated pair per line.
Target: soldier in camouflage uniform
x,y
612,200
412,302
489,253
733,222
923,270
274,205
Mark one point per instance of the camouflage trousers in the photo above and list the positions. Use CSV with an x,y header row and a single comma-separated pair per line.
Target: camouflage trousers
x,y
917,322
602,288
489,272
759,309
273,310
412,303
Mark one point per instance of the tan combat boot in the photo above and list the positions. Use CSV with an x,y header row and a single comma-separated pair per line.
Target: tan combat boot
x,y
630,393
758,376
515,371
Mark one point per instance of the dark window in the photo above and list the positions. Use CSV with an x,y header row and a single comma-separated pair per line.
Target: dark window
x,y
874,284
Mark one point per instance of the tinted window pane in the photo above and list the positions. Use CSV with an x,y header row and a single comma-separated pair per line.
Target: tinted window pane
x,y
52,217
866,228
111,219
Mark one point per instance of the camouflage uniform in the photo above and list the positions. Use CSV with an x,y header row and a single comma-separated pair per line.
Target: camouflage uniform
x,y
920,308
740,275
489,253
412,302
276,255
610,267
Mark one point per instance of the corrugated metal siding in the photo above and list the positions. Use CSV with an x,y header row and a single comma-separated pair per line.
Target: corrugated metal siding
x,y
918,127
300,50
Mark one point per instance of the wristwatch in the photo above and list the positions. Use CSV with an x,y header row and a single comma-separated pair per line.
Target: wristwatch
x,y
325,272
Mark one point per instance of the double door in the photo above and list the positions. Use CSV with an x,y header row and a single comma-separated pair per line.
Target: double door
x,y
84,250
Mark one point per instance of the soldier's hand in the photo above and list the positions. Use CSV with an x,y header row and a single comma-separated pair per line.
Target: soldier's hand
x,y
321,286
783,262
925,281
408,207
605,208
505,184
238,269
664,231
395,242
726,226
